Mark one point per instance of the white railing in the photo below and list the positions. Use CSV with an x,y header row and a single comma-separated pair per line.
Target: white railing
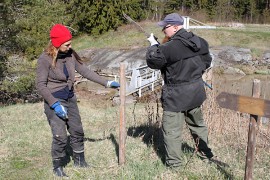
x,y
136,79
141,78
198,24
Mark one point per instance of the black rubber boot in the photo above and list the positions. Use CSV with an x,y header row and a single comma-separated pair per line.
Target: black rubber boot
x,y
58,169
79,160
203,150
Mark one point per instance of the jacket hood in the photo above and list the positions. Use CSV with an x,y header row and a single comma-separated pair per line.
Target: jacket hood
x,y
189,39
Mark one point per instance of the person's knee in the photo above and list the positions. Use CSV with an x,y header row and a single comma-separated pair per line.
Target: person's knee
x,y
77,136
60,138
78,132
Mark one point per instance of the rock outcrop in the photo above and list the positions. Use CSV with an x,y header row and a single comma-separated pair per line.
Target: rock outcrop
x,y
227,57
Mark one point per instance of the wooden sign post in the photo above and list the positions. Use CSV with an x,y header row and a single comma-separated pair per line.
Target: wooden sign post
x,y
256,91
255,107
245,104
122,124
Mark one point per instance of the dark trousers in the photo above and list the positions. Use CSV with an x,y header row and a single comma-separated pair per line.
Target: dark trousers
x,y
59,128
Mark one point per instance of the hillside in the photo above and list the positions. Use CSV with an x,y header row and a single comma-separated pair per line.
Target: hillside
x,y
244,47
25,137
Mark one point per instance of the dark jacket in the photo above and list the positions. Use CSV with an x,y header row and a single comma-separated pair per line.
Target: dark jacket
x,y
182,61
51,80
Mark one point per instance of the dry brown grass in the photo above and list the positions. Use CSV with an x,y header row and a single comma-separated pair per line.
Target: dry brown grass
x,y
26,139
228,134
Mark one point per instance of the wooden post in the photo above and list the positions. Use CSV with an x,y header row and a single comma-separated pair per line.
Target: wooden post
x,y
122,125
255,107
252,135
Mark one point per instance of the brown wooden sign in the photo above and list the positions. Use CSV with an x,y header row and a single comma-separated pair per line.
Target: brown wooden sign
x,y
255,107
251,105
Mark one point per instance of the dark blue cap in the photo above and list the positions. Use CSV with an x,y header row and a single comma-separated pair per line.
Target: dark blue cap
x,y
173,19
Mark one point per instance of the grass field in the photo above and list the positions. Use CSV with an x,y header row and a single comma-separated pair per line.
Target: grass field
x,y
25,137
253,36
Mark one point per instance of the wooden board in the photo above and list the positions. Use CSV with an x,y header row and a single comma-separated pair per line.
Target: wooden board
x,y
255,106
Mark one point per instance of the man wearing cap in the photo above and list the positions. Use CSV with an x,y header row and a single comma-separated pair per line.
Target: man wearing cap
x,y
55,82
182,61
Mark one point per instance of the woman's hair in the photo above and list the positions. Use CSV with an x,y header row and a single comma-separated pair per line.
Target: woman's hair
x,y
77,57
53,51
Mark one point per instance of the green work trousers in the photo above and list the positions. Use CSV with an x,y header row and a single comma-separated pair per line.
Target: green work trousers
x,y
172,127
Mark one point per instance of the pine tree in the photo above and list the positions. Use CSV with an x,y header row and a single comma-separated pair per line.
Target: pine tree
x,y
97,17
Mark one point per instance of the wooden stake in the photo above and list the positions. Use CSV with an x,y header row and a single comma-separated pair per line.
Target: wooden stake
x,y
122,125
252,135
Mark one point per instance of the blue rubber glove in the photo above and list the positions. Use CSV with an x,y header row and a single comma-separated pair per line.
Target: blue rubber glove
x,y
60,110
113,84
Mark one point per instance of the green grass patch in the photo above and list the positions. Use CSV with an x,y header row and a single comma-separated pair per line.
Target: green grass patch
x,y
26,142
18,163
253,36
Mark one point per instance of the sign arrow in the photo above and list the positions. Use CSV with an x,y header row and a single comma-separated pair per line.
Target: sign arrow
x,y
245,104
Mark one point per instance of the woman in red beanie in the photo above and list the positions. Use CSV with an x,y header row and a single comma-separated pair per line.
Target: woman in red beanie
x,y
55,82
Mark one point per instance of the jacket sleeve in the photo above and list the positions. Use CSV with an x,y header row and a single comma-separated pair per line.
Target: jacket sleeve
x,y
89,74
206,59
42,72
155,59
205,55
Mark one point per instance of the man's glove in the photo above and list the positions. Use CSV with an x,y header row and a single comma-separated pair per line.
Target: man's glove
x,y
113,84
59,110
153,40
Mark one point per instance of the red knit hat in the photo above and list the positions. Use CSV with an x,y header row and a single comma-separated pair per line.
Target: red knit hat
x,y
59,34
